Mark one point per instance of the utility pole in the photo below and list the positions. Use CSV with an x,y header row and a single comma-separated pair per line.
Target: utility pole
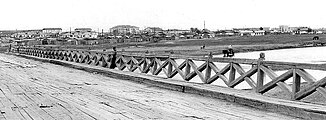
x,y
204,25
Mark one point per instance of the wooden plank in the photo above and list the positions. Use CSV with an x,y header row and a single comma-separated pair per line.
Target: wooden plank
x,y
161,67
235,60
124,59
322,91
285,87
149,64
215,77
231,75
208,71
145,64
178,69
90,60
194,73
197,70
270,73
140,64
223,70
122,66
93,61
219,73
154,68
296,65
21,105
240,70
134,64
310,89
103,61
260,77
10,114
273,84
80,58
240,61
131,65
75,57
251,82
187,70
296,83
249,73
169,68
305,75
85,59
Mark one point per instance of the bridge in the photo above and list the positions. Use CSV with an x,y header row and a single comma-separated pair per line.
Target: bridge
x,y
154,65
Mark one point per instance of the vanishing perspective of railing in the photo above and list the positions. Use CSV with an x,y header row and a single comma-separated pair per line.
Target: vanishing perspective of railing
x,y
208,71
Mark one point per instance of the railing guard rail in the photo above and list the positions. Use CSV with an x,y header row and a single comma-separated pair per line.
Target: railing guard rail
x,y
208,72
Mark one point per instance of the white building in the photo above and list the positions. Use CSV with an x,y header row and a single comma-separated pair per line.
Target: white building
x,y
176,31
23,34
284,29
80,33
52,30
124,29
258,33
251,32
83,30
153,29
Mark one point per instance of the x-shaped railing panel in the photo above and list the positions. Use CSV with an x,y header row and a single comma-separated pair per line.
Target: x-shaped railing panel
x,y
188,69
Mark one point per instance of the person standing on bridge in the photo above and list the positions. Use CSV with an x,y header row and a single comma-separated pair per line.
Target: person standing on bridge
x,y
114,58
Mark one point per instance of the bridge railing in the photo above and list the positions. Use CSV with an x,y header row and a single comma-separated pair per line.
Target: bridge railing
x,y
232,73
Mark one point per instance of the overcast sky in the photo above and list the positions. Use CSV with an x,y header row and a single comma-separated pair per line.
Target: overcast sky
x,y
178,14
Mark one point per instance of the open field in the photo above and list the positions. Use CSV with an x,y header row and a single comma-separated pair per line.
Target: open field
x,y
215,45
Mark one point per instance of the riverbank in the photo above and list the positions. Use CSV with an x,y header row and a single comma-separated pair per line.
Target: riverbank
x,y
215,45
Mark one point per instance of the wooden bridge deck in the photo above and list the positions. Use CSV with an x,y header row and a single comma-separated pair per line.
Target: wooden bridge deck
x,y
33,90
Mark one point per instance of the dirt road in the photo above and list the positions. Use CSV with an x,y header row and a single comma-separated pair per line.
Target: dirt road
x,y
34,90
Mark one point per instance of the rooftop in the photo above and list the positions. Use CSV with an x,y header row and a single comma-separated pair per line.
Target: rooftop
x,y
124,26
83,29
52,29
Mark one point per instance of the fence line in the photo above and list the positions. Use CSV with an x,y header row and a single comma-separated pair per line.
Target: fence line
x,y
208,72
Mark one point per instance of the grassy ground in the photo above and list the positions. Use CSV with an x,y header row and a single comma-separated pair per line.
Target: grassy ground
x,y
215,45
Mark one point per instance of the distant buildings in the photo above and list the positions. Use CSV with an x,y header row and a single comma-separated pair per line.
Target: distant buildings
x,y
225,33
284,29
129,33
80,33
124,29
250,31
52,30
83,30
176,31
153,30
27,34
301,30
